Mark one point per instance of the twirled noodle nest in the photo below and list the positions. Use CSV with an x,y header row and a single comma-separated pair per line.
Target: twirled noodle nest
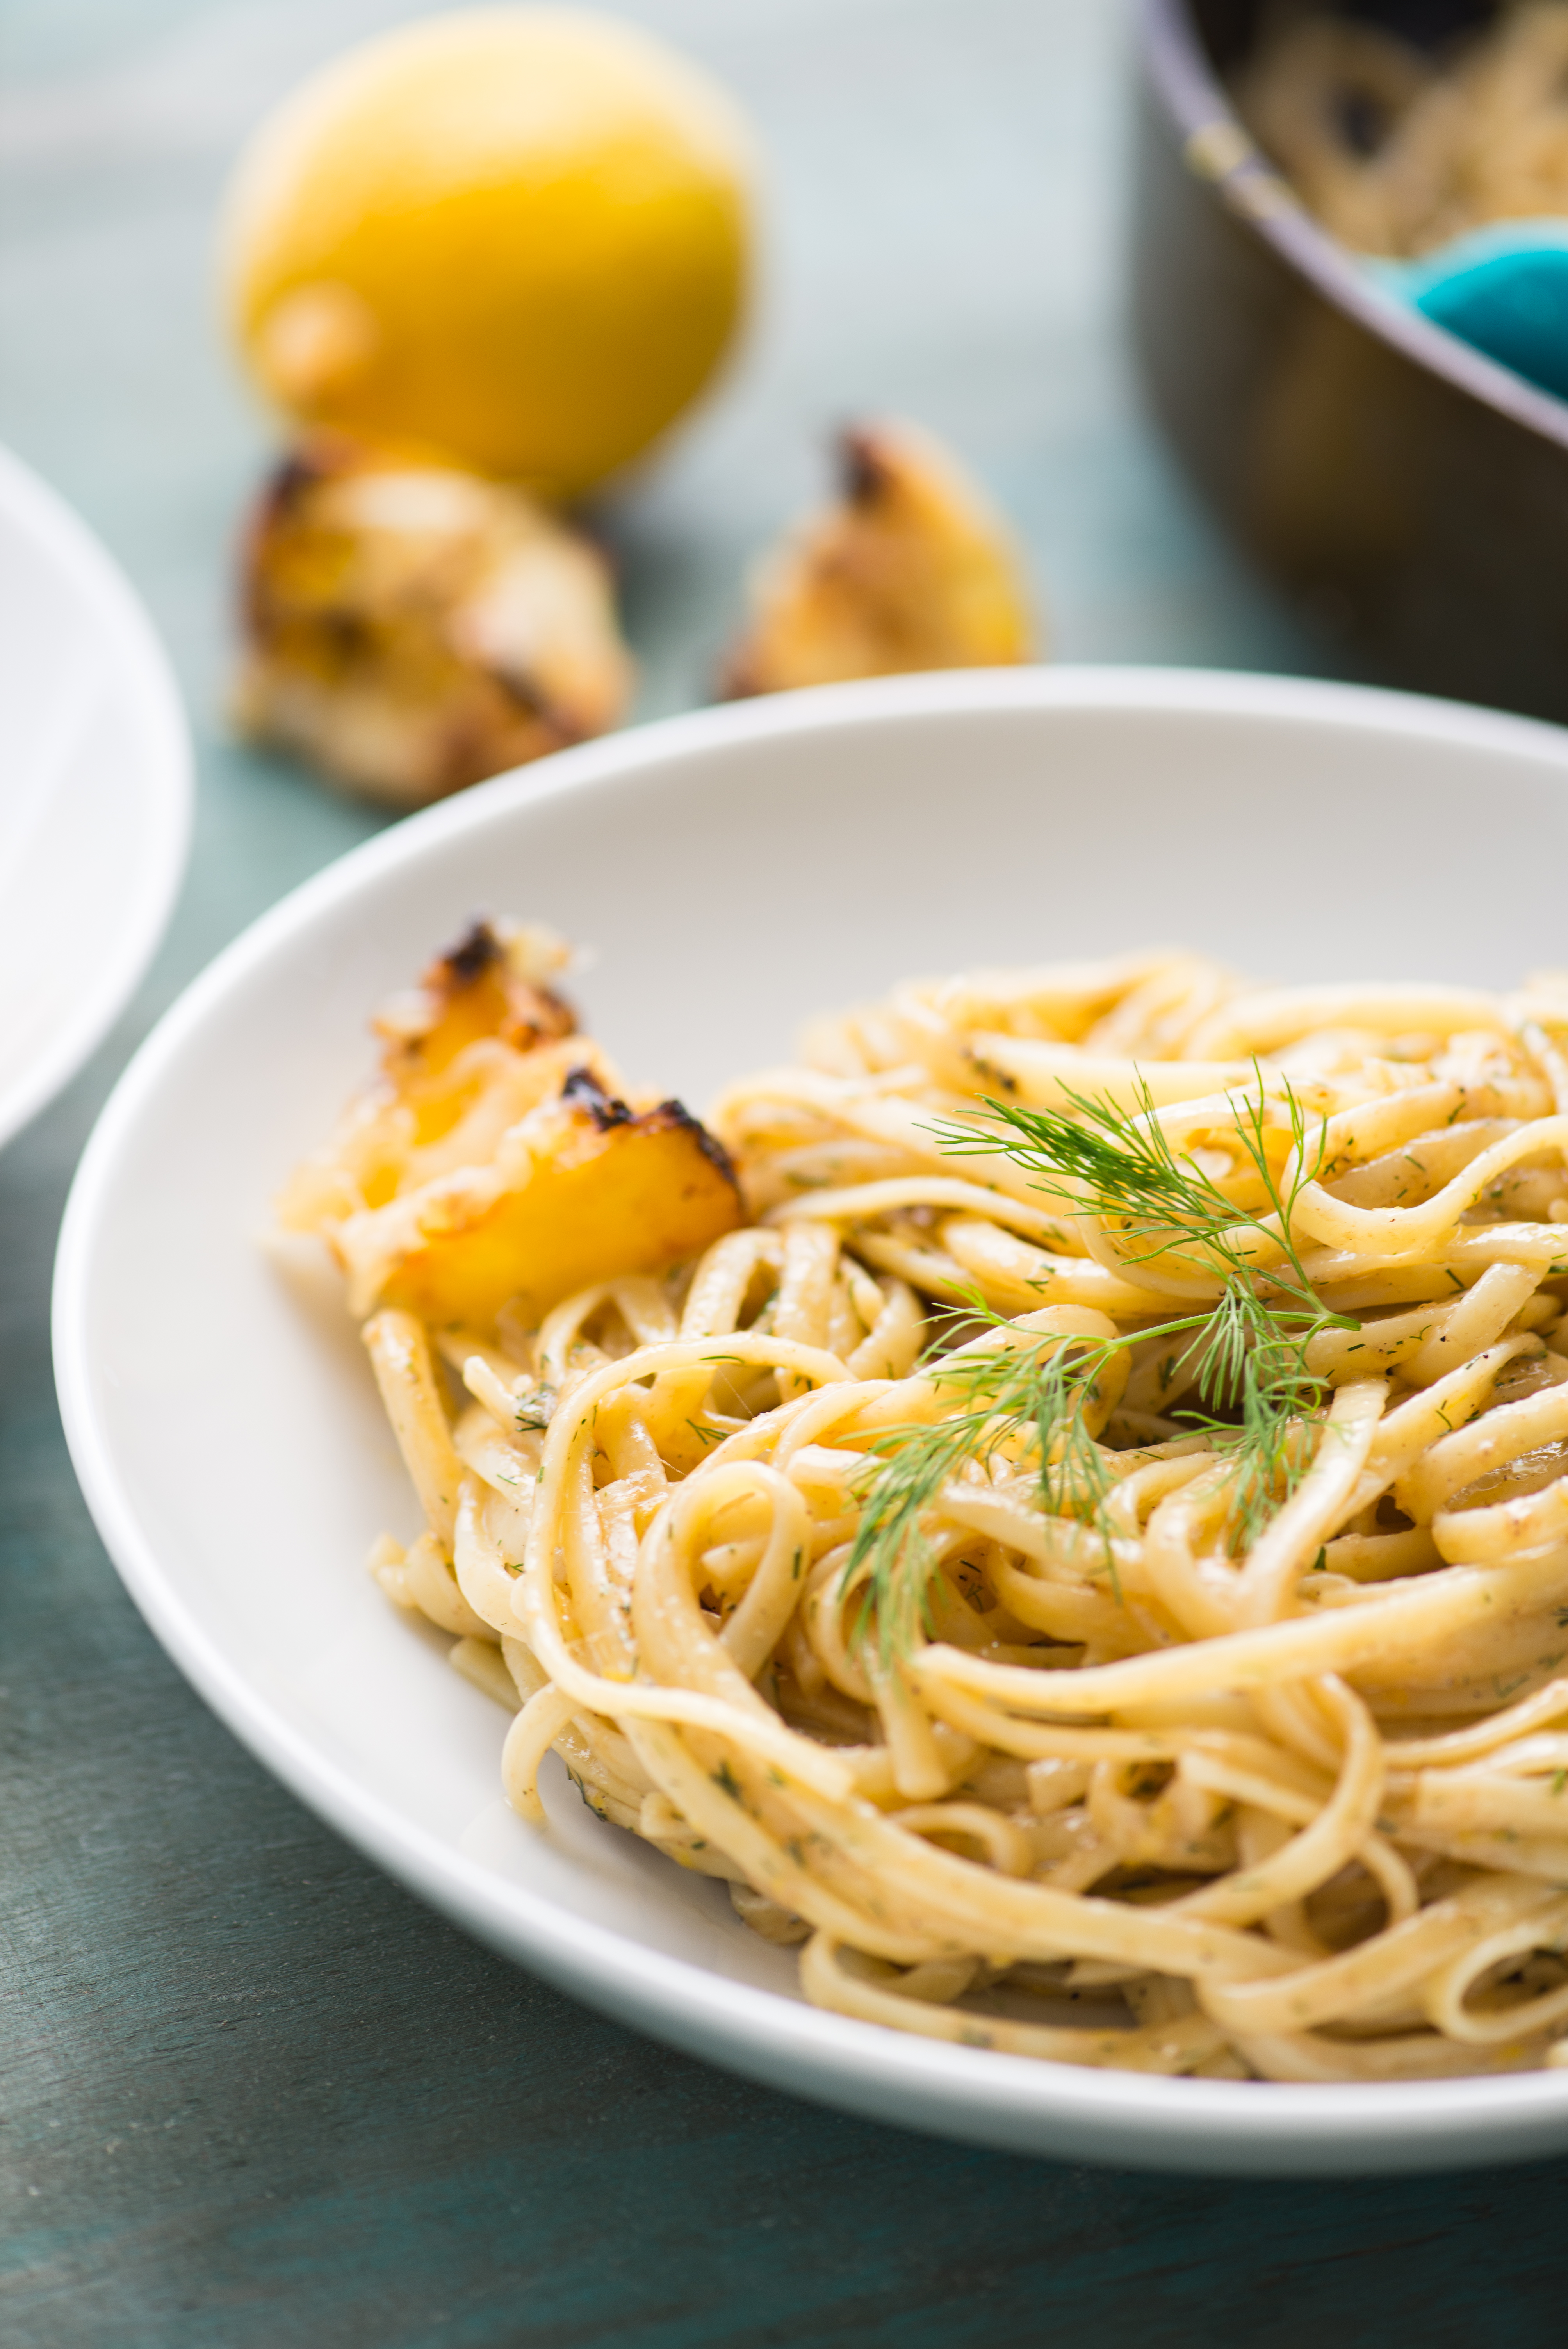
x,y
1130,1766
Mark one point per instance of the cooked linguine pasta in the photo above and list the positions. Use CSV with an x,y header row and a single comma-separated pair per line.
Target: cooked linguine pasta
x,y
1397,147
1079,1543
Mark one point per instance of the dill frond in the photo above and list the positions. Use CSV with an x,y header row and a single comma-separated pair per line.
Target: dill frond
x,y
1007,1395
1254,1366
1119,1166
1248,1349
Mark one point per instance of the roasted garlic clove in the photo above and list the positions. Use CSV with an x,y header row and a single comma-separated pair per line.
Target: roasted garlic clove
x,y
583,1188
912,569
410,628
493,1162
481,1039
494,984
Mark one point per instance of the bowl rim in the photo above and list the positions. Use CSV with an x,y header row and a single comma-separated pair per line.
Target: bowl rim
x,y
168,813
1201,2124
1216,146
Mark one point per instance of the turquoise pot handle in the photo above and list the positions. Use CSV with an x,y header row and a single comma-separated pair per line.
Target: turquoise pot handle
x,y
1503,289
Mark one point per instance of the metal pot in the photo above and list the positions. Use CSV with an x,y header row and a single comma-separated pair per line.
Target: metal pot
x,y
1410,492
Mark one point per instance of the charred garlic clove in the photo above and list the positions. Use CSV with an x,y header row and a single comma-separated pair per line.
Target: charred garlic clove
x,y
409,628
911,569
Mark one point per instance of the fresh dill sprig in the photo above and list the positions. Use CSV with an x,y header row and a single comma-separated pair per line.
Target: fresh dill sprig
x,y
1003,1392
1246,1357
1253,1364
1119,1166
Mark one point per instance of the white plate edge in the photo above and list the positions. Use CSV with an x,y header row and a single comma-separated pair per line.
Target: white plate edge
x,y
171,806
1218,2125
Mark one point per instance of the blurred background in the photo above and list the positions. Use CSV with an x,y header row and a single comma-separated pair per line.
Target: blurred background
x,y
942,217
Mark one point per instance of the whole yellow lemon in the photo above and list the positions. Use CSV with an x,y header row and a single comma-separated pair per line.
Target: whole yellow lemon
x,y
516,234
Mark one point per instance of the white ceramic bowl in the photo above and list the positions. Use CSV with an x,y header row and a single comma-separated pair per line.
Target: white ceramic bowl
x,y
94,793
734,872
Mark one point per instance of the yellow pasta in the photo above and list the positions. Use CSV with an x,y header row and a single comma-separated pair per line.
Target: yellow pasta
x,y
1081,1544
1397,149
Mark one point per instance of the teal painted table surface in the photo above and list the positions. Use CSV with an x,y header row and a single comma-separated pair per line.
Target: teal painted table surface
x,y
251,2093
